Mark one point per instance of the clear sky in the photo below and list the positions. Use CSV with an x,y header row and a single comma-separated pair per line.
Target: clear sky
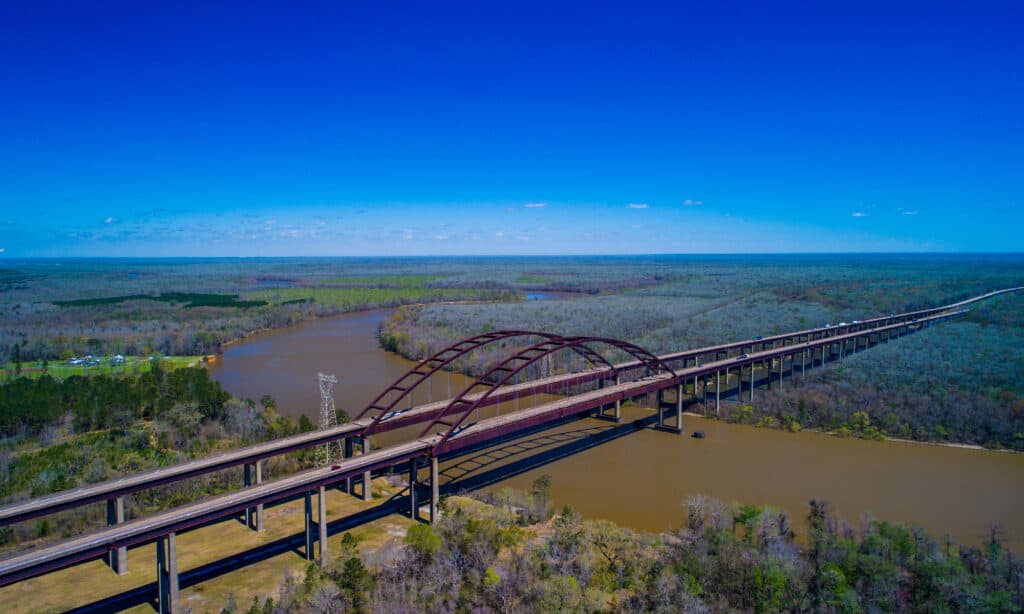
x,y
378,128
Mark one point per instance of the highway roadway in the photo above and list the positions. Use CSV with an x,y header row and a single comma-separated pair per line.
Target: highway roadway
x,y
487,431
110,489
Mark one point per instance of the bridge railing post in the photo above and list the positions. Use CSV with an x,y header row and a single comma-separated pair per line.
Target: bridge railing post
x,y
117,559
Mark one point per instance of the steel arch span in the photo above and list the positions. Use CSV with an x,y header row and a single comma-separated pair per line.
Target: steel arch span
x,y
402,388
501,374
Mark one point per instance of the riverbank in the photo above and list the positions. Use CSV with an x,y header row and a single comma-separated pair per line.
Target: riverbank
x,y
961,446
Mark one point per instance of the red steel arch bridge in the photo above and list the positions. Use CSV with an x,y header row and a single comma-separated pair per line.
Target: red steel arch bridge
x,y
448,430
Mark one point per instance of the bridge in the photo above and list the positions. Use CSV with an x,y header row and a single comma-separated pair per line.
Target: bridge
x,y
448,431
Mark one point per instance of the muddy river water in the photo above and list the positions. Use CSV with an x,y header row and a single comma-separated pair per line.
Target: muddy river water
x,y
640,478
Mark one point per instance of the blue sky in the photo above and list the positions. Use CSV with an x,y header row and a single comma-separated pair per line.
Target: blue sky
x,y
259,129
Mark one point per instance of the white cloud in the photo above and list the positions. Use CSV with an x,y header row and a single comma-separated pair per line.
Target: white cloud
x,y
3,249
692,203
407,235
441,237
535,205
637,205
858,214
523,238
905,212
499,234
109,220
290,233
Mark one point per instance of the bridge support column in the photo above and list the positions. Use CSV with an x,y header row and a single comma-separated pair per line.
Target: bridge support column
x,y
254,515
618,402
321,524
751,399
718,386
704,393
308,514
803,363
435,490
679,408
367,477
782,359
167,574
771,363
414,511
117,558
348,454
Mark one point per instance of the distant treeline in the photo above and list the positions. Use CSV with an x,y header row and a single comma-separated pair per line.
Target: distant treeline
x,y
189,300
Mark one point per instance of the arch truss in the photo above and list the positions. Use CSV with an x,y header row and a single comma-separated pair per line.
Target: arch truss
x,y
476,395
388,400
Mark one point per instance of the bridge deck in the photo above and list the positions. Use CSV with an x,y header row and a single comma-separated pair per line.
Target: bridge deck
x,y
141,530
112,488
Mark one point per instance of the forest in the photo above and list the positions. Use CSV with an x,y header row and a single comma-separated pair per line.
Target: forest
x,y
54,310
511,555
960,382
57,435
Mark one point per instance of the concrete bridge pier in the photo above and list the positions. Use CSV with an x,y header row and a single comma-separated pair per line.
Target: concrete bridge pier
x,y
253,473
307,512
718,391
751,398
347,484
367,475
168,599
414,511
435,489
676,406
321,524
117,558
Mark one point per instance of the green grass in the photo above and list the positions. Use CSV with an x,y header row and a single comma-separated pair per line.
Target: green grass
x,y
351,299
384,281
189,299
535,279
132,364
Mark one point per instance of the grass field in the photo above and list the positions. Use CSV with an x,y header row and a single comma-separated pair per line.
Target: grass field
x,y
132,364
384,281
355,298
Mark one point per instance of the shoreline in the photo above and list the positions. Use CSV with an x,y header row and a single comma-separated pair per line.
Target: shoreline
x,y
962,446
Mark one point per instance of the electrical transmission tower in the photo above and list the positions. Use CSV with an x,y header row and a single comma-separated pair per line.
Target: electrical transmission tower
x,y
328,452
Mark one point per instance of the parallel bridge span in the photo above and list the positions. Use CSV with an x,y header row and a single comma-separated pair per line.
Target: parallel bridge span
x,y
163,527
395,418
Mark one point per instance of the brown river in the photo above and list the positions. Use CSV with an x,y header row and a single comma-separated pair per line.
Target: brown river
x,y
640,477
